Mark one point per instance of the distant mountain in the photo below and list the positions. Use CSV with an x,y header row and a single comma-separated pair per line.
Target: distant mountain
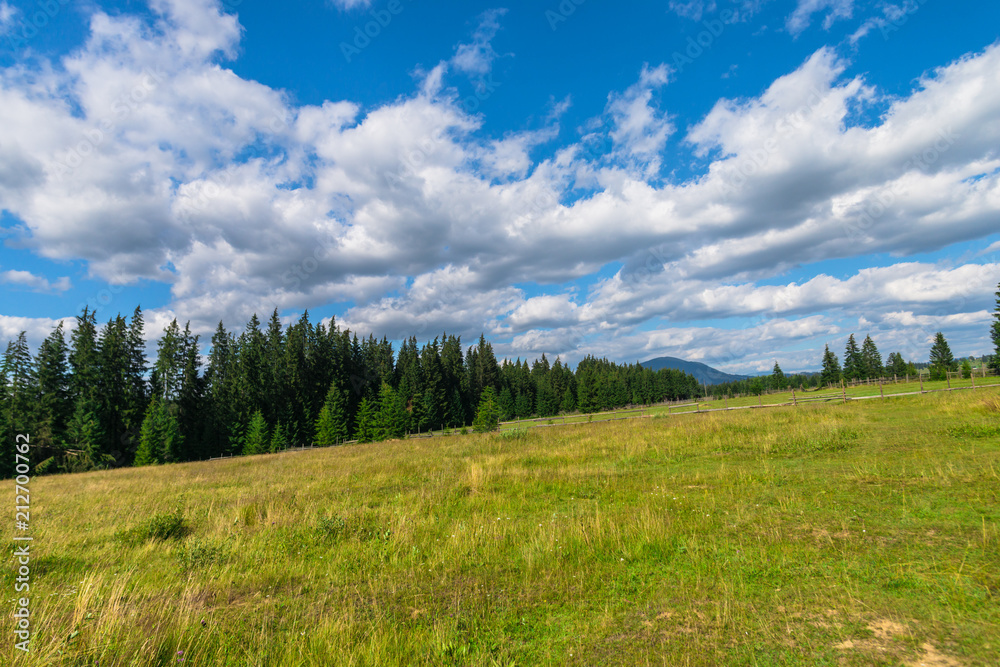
x,y
704,374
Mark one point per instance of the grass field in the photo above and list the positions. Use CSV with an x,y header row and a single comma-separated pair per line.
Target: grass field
x,y
865,533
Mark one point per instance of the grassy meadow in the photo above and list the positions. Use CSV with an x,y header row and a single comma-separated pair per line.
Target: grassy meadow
x,y
865,533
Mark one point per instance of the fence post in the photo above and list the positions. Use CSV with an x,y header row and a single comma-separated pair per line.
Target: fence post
x,y
947,376
921,376
843,389
794,404
972,376
880,389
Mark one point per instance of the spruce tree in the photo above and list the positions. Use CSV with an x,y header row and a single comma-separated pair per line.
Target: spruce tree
x,y
54,404
257,440
366,428
942,360
778,377
995,335
151,435
390,423
279,439
854,368
871,359
20,398
831,368
331,425
488,413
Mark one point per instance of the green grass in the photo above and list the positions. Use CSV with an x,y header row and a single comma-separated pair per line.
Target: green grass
x,y
857,534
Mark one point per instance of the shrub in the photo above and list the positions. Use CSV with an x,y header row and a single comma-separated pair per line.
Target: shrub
x,y
161,527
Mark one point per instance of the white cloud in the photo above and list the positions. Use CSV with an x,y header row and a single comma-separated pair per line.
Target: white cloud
x,y
800,19
476,58
34,283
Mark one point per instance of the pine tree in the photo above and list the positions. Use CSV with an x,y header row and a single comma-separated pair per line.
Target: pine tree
x,y
54,405
871,360
853,365
966,369
895,364
18,373
942,360
390,422
151,435
831,368
366,429
778,377
995,335
331,425
488,413
257,440
568,403
279,439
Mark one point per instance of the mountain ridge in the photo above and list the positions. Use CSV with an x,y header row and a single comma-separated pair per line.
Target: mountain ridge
x,y
704,373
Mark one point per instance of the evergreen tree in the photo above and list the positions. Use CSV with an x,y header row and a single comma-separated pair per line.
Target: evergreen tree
x,y
170,362
831,368
190,398
279,439
54,404
895,364
966,369
151,436
568,401
488,413
942,360
390,422
18,374
257,440
222,427
506,404
871,360
85,367
995,335
331,425
854,368
778,377
366,429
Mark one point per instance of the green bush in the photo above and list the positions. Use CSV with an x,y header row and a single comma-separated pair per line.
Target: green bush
x,y
160,527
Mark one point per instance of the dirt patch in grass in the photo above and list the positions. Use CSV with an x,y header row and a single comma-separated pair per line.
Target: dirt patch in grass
x,y
886,641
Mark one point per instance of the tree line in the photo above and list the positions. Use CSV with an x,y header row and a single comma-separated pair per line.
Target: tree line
x,y
94,401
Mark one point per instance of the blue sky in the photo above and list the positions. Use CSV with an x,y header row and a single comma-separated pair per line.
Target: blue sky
x,y
734,182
